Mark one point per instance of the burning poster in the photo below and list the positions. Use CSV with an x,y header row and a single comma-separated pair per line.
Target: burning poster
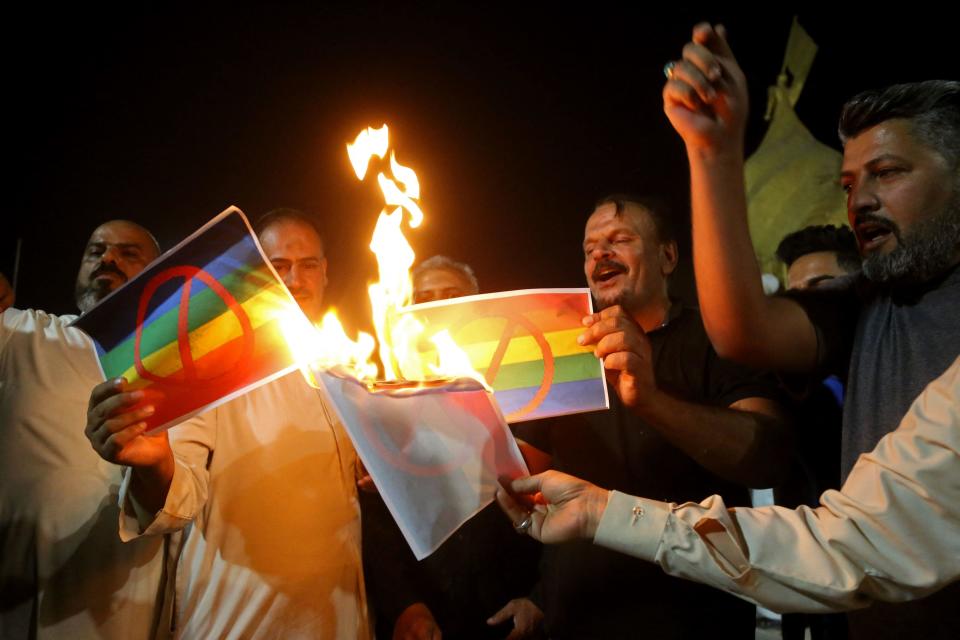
x,y
434,450
524,343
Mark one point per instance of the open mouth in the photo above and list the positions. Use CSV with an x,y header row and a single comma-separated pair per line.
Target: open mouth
x,y
872,234
606,271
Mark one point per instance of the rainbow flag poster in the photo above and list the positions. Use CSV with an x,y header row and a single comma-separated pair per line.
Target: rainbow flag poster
x,y
199,326
525,345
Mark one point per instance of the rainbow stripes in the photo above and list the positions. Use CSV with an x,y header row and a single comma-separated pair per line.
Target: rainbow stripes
x,y
199,326
525,344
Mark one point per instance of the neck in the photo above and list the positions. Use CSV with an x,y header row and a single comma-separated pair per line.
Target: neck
x,y
653,315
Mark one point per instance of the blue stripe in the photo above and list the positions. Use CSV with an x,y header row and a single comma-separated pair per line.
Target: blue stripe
x,y
565,397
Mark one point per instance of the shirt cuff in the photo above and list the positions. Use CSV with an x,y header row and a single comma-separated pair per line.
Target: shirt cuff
x,y
632,525
136,521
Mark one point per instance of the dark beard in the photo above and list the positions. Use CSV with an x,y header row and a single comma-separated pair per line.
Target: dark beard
x,y
928,250
86,296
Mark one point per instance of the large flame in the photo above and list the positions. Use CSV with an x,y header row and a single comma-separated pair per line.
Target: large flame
x,y
399,335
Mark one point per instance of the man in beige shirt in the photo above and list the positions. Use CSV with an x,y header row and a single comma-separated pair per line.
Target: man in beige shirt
x,y
892,532
64,573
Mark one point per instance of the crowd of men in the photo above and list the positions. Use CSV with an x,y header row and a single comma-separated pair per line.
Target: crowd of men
x,y
245,521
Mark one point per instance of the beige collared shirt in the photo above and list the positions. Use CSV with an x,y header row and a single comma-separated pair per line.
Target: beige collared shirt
x,y
64,573
891,533
268,482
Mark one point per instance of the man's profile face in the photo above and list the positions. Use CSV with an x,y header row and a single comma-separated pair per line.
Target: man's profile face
x,y
296,252
117,251
903,203
814,270
440,284
624,261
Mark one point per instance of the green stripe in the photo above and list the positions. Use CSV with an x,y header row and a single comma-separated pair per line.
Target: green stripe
x,y
581,366
243,284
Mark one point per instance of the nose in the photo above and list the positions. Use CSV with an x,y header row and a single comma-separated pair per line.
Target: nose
x,y
292,278
861,199
111,255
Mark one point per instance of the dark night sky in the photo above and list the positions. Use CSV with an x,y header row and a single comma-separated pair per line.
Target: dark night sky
x,y
515,120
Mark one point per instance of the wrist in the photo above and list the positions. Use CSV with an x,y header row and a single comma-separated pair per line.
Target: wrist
x,y
724,154
596,505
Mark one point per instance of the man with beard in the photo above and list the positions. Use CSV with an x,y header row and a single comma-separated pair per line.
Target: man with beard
x,y
890,332
682,421
64,573
266,484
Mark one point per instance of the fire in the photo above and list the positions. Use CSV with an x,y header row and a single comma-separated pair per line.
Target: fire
x,y
399,335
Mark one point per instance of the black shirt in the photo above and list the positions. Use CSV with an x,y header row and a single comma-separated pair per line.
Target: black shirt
x,y
592,592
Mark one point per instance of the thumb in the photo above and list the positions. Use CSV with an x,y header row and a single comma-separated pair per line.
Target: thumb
x,y
501,616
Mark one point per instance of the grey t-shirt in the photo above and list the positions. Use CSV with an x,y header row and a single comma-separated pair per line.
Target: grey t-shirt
x,y
889,344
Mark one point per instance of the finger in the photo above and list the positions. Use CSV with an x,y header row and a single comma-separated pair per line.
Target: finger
x,y
613,343
510,507
124,436
115,406
698,57
501,616
608,312
113,444
121,421
606,326
713,38
622,362
678,93
104,390
690,74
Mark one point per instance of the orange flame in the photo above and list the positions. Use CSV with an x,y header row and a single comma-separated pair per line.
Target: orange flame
x,y
397,334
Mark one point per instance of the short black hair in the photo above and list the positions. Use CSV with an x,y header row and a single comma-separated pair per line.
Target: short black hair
x,y
287,213
659,209
932,107
839,240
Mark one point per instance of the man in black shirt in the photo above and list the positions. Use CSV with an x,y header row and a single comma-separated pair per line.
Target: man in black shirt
x,y
683,424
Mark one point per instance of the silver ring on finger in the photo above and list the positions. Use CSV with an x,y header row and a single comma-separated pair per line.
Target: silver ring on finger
x,y
522,526
668,70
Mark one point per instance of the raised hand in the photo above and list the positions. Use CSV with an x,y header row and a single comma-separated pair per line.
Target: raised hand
x,y
705,97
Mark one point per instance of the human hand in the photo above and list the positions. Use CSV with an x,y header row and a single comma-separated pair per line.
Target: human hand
x,y
705,97
116,427
416,623
565,508
624,349
526,616
364,481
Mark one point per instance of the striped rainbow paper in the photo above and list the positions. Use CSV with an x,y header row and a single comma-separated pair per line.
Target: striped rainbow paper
x,y
525,344
199,326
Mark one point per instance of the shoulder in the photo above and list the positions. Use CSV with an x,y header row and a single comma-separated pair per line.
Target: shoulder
x,y
13,320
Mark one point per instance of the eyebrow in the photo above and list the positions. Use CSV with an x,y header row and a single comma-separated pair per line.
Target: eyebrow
x,y
119,245
874,161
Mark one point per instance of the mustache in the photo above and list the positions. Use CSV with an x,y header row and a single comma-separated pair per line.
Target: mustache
x,y
105,269
607,264
866,216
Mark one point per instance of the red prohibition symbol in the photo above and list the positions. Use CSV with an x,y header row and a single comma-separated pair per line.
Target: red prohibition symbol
x,y
188,374
519,320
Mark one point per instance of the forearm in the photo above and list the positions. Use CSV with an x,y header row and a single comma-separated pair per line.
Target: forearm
x,y
891,533
745,447
743,323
